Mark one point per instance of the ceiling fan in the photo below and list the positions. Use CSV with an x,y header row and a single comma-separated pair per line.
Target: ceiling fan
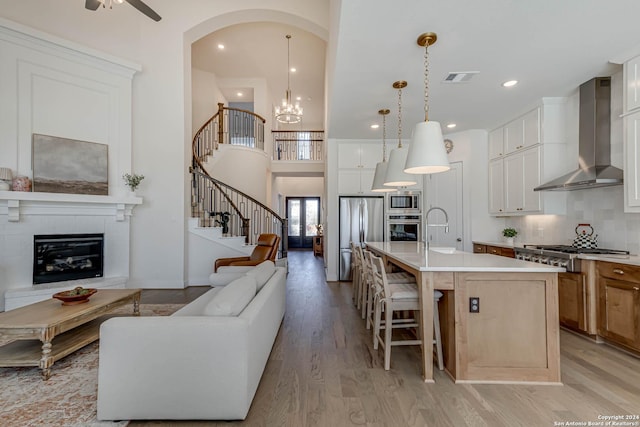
x,y
138,4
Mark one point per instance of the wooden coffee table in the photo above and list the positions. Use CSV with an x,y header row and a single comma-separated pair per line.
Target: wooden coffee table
x,y
35,326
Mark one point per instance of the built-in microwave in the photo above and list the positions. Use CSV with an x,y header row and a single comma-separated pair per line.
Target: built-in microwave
x,y
404,202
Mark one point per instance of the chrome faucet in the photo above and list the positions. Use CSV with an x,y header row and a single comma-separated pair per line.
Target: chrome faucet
x,y
427,225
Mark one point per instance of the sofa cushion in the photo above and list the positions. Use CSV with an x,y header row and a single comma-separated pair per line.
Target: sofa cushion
x,y
223,279
262,273
233,298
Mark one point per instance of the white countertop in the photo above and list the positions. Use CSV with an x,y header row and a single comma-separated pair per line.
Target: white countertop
x,y
413,254
620,259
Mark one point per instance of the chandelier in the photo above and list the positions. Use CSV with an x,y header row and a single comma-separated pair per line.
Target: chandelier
x,y
288,112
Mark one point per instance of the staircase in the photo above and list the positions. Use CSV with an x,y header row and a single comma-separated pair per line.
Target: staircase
x,y
219,211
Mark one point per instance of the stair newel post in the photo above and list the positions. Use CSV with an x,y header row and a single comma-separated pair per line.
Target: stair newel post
x,y
220,123
284,233
245,229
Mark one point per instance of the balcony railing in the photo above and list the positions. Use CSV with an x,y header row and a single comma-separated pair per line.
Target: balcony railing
x,y
298,145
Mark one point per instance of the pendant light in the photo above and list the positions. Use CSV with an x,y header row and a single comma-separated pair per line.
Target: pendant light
x,y
396,177
288,112
381,168
427,152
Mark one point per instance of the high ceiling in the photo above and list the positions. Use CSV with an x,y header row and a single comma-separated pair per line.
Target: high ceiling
x,y
549,46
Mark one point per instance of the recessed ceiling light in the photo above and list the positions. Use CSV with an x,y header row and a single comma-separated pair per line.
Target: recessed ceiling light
x,y
451,125
375,126
298,98
221,46
239,94
510,83
293,69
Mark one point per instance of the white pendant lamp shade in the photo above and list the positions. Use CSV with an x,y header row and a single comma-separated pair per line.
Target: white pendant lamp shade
x,y
379,177
427,152
396,177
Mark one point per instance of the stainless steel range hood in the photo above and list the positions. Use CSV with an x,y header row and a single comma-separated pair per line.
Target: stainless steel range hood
x,y
594,142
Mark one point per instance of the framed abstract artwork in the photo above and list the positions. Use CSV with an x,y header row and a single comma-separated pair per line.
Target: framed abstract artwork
x,y
62,165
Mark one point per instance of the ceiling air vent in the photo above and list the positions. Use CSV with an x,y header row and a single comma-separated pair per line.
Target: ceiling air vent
x,y
459,76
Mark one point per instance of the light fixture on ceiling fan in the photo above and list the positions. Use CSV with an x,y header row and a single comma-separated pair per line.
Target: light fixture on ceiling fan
x,y
427,151
396,177
138,4
288,112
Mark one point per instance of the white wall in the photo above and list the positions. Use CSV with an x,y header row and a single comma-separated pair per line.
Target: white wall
x,y
205,97
162,105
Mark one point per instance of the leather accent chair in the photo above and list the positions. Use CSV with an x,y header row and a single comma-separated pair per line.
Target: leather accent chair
x,y
266,249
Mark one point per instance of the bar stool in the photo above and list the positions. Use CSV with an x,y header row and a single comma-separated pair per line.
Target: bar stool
x,y
367,298
356,269
392,297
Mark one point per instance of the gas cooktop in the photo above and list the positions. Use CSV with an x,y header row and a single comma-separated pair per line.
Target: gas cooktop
x,y
573,250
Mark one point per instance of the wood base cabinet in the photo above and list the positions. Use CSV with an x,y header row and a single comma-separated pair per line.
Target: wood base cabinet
x,y
572,301
619,304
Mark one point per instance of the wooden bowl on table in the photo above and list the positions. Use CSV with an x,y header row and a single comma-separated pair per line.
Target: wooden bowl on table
x,y
79,295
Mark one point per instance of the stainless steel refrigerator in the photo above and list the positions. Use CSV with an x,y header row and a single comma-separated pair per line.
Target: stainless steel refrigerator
x,y
361,220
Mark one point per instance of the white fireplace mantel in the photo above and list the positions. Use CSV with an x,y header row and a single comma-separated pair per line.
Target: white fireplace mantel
x,y
17,203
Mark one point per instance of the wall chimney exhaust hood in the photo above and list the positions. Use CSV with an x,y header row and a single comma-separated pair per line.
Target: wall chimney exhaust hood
x,y
594,142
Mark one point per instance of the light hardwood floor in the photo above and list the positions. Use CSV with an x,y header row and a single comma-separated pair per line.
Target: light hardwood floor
x,y
323,371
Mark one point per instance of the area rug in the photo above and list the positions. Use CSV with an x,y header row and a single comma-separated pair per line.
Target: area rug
x,y
68,398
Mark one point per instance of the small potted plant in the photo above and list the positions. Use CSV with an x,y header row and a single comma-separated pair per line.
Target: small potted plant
x,y
132,180
509,233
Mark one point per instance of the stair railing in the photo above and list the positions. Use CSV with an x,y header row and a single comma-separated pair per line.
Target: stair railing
x,y
215,203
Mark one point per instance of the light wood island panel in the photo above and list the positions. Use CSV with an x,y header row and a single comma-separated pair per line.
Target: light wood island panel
x,y
514,338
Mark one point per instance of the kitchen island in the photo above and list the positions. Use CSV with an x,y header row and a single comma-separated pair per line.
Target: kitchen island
x,y
514,335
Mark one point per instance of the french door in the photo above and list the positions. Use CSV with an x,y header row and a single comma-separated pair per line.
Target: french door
x,y
303,214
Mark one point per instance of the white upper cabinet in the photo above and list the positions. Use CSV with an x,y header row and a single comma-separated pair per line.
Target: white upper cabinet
x,y
534,152
513,136
632,84
360,155
522,132
632,162
496,186
496,143
631,123
356,166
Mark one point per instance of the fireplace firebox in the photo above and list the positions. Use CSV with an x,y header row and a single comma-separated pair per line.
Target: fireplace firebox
x,y
61,257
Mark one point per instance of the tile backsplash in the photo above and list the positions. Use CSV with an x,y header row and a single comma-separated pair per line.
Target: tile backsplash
x,y
603,208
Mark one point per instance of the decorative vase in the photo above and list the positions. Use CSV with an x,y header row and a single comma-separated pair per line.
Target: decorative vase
x,y
509,241
21,183
5,186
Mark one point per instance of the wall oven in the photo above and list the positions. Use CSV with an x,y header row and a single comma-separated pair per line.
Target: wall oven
x,y
404,202
404,228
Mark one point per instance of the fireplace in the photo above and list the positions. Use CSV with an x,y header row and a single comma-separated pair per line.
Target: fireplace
x,y
62,257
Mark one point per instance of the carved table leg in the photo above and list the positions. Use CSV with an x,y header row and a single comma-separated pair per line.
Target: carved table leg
x,y
46,361
46,336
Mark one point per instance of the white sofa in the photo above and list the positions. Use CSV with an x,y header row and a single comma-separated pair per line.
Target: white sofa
x,y
202,362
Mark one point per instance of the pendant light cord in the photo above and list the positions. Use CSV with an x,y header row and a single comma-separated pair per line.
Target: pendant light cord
x,y
399,117
384,137
426,82
288,69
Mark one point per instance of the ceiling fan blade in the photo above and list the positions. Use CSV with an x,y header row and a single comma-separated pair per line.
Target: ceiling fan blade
x,y
138,4
92,4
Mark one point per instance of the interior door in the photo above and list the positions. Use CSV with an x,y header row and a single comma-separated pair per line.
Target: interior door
x,y
444,190
303,214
